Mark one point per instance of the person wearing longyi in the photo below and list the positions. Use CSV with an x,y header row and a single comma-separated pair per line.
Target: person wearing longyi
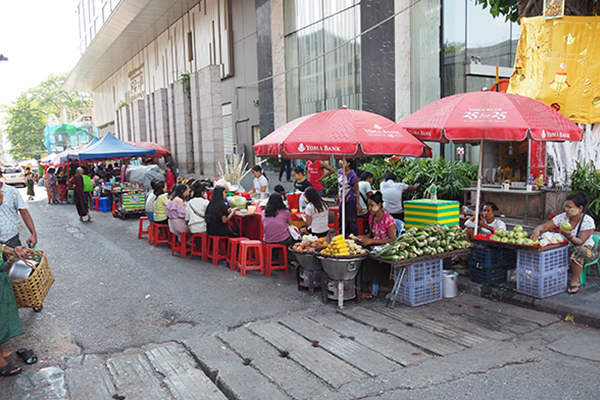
x,y
577,228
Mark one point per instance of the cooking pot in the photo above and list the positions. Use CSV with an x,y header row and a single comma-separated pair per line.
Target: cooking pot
x,y
341,269
309,261
20,270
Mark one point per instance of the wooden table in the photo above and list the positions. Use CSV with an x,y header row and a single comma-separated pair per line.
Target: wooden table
x,y
513,192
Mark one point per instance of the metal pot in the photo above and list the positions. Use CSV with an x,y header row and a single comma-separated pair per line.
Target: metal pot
x,y
309,261
341,269
20,270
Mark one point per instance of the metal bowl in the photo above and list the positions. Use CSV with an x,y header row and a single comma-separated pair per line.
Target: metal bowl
x,y
20,270
341,270
309,261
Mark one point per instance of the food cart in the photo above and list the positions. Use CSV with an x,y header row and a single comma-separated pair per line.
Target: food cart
x,y
128,199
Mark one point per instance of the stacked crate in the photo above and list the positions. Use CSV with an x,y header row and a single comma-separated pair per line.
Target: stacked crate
x,y
489,266
421,283
422,212
542,274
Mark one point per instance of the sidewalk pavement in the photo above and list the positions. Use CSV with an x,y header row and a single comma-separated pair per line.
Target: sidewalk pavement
x,y
583,306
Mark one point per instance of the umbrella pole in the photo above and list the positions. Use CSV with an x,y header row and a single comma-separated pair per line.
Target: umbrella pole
x,y
479,177
343,196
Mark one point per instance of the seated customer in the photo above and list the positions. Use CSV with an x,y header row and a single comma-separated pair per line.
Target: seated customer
x,y
176,209
150,202
487,221
160,204
316,214
196,208
276,219
279,189
218,216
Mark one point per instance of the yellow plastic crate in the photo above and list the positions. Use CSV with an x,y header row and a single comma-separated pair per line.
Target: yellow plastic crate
x,y
424,211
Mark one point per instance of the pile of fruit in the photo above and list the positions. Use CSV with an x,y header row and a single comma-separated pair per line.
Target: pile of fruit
x,y
424,241
344,247
516,236
310,244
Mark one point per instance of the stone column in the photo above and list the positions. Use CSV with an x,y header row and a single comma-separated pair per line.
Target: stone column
x,y
196,123
278,49
211,120
171,120
138,120
183,128
161,117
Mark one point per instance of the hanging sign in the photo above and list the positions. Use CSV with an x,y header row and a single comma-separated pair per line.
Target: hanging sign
x,y
554,9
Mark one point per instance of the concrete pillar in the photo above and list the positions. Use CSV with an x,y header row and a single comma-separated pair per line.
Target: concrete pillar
x,y
278,49
171,121
211,119
196,124
138,120
149,114
402,59
183,128
161,117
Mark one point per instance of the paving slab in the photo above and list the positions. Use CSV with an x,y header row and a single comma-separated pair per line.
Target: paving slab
x,y
329,368
237,380
44,384
577,345
363,358
88,378
387,345
294,380
418,337
135,378
182,377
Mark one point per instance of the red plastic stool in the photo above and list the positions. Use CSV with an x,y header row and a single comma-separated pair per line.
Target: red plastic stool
x,y
141,231
179,244
251,256
217,248
233,252
150,232
94,204
199,250
282,258
160,234
362,222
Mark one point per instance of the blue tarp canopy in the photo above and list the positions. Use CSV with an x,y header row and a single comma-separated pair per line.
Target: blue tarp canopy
x,y
109,147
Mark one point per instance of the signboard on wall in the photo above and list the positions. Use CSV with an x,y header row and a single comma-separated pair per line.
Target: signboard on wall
x,y
136,82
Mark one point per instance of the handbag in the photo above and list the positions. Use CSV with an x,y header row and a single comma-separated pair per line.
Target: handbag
x,y
294,232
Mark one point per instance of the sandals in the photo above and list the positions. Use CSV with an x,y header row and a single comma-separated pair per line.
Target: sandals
x,y
571,289
38,309
27,356
9,370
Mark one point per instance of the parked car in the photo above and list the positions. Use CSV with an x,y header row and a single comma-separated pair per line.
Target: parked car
x,y
13,176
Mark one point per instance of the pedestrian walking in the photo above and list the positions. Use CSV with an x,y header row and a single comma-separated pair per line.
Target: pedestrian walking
x,y
30,182
80,196
286,164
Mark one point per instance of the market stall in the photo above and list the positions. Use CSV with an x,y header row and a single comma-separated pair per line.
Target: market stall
x,y
343,133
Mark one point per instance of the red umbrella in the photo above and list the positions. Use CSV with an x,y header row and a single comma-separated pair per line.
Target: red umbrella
x,y
161,150
343,133
489,116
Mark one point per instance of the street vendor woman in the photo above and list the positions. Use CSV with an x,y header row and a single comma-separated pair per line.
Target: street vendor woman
x,y
383,230
581,244
487,221
260,184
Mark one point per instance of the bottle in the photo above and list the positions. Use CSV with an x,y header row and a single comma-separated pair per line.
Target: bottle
x,y
433,192
531,180
467,211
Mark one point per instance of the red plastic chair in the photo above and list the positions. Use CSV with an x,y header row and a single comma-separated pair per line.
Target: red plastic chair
x,y
160,234
141,231
233,252
282,258
363,223
200,249
251,257
217,248
179,244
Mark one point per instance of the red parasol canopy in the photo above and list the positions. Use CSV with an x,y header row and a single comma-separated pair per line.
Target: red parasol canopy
x,y
161,150
341,132
491,116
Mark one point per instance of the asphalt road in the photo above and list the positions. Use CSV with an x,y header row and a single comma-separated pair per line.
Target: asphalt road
x,y
116,297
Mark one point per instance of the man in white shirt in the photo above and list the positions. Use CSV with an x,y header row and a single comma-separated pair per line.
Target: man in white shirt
x,y
392,195
365,190
13,205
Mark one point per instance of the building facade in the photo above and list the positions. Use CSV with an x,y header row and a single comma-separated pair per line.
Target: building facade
x,y
211,77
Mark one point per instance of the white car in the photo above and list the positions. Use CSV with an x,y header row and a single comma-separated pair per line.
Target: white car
x,y
13,176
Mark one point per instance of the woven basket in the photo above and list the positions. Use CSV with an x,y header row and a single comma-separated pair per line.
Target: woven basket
x,y
32,291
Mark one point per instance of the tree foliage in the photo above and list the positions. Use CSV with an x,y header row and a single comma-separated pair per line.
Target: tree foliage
x,y
51,99
25,129
508,8
26,117
514,9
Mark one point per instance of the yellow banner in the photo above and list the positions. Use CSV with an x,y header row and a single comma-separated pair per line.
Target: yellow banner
x,y
557,64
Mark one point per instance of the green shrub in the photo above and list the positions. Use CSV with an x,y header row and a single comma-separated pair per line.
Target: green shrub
x,y
586,179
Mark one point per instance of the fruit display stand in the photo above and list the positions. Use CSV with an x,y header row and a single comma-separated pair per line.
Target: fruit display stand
x,y
424,211
420,278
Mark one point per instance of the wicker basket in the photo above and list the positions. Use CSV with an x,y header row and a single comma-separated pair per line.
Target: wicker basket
x,y
32,291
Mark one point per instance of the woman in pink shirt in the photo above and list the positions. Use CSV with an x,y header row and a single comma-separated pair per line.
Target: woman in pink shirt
x,y
276,219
